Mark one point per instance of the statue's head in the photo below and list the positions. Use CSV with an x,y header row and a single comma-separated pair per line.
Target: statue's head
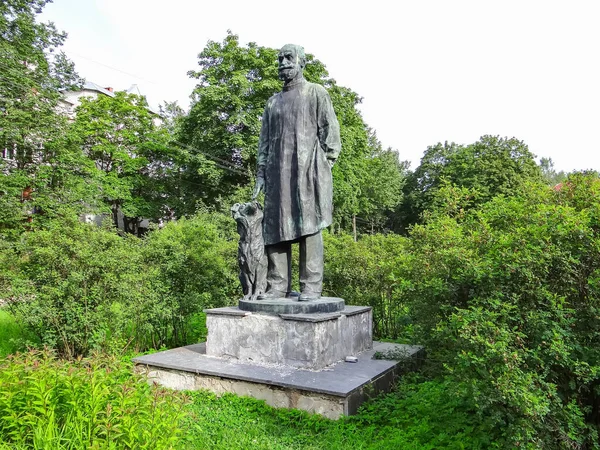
x,y
247,213
291,62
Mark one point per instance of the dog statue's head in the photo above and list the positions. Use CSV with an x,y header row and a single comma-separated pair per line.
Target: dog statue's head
x,y
247,213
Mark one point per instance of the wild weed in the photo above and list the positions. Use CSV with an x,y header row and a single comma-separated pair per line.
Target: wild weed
x,y
89,403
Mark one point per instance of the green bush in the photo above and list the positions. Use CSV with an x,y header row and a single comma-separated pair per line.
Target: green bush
x,y
77,286
93,403
365,273
13,336
196,268
507,300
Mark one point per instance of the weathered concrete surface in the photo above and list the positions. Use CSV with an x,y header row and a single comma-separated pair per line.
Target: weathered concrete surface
x,y
332,392
326,405
278,306
305,341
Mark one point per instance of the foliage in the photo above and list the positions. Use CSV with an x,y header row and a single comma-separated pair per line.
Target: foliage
x,y
196,267
129,152
505,298
31,77
13,337
381,189
223,125
98,403
40,172
77,287
89,403
420,416
220,134
364,273
549,174
486,168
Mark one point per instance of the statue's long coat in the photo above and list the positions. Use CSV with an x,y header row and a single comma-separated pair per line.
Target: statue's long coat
x,y
299,134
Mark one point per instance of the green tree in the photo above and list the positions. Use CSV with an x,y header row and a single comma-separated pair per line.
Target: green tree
x,y
132,160
382,181
220,134
486,168
40,170
506,301
550,175
222,128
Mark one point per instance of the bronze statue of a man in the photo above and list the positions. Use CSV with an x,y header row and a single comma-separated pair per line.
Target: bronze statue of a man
x,y
299,143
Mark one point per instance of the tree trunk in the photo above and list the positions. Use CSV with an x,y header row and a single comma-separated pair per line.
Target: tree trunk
x,y
115,214
354,226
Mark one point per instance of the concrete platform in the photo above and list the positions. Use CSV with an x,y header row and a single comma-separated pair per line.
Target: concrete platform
x,y
332,392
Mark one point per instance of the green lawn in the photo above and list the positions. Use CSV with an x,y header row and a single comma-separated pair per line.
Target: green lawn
x,y
419,417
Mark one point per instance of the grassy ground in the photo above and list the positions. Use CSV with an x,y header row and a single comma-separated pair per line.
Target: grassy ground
x,y
12,336
417,417
420,415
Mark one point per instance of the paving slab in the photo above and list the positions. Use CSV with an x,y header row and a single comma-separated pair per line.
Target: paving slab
x,y
340,379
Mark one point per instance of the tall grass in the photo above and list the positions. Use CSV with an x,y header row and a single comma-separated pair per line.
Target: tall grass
x,y
92,403
13,337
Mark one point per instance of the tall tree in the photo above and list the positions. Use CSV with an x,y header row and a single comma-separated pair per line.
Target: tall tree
x,y
32,144
488,167
550,175
222,128
130,155
381,190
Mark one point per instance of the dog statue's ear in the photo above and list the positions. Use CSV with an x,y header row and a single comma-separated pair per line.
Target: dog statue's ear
x,y
234,209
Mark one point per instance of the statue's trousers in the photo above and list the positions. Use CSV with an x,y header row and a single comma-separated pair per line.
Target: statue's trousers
x,y
311,264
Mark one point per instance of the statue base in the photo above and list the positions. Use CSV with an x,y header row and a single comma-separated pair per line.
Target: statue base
x,y
278,306
288,360
337,391
299,340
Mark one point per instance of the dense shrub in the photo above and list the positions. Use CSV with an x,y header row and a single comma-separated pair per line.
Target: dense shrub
x,y
79,287
507,300
365,273
88,403
196,268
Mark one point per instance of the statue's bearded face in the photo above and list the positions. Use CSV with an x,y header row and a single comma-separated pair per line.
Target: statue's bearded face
x,y
290,64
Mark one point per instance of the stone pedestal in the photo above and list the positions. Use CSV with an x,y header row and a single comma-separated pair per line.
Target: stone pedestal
x,y
334,392
310,341
289,353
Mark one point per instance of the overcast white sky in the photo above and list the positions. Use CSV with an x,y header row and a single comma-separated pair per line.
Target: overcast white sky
x,y
428,70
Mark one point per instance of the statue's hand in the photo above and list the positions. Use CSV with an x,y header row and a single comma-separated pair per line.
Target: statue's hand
x,y
260,184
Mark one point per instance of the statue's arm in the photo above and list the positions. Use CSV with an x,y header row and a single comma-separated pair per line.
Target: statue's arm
x,y
263,149
328,126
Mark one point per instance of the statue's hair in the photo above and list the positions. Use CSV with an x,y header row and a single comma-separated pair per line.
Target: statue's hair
x,y
299,52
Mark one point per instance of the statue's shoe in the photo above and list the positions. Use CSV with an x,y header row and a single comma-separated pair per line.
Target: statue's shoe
x,y
269,295
307,296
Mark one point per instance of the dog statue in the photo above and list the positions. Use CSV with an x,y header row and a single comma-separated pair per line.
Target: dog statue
x,y
251,248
